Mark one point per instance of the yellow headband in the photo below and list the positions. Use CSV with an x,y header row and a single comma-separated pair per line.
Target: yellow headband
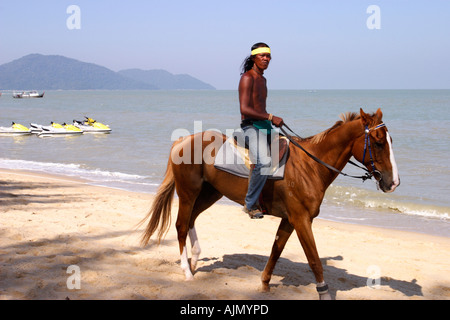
x,y
260,50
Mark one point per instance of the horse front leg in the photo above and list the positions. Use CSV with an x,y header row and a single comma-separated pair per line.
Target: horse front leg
x,y
284,232
303,227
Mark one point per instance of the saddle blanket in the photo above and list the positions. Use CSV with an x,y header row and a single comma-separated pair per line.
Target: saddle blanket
x,y
234,158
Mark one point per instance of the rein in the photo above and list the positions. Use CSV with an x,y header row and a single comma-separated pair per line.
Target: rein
x,y
365,177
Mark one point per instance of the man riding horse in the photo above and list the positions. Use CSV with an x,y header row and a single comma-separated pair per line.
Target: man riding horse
x,y
256,122
313,164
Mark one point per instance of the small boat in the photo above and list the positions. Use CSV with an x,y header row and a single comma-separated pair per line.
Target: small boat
x,y
92,126
56,129
28,94
16,129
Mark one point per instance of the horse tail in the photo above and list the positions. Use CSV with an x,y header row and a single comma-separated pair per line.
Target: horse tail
x,y
161,208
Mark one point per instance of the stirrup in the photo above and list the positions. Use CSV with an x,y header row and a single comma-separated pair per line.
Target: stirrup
x,y
253,213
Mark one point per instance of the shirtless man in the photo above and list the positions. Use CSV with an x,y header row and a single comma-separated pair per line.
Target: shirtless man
x,y
254,117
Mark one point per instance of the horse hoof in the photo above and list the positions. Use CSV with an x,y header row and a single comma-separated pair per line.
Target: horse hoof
x,y
188,276
265,287
193,265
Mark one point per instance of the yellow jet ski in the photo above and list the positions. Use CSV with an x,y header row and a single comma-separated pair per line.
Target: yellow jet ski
x,y
57,129
16,129
92,126
71,127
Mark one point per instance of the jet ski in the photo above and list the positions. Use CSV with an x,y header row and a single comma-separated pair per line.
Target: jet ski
x,y
16,129
56,129
35,128
92,126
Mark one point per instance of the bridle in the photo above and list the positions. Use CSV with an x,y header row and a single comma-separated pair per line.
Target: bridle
x,y
367,146
368,175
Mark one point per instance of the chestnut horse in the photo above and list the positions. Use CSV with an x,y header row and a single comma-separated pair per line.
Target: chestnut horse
x,y
295,199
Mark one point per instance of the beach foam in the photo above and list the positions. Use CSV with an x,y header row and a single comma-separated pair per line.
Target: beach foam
x,y
95,176
363,198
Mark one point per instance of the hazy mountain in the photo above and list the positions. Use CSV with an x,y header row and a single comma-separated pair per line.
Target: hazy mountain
x,y
51,72
165,80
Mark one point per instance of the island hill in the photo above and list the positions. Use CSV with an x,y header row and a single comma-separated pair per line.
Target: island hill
x,y
52,72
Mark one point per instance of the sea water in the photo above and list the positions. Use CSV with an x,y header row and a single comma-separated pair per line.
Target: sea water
x,y
134,156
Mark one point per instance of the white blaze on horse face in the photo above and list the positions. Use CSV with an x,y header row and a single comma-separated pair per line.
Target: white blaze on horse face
x,y
395,176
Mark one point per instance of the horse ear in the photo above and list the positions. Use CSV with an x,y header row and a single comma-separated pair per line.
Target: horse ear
x,y
379,114
365,118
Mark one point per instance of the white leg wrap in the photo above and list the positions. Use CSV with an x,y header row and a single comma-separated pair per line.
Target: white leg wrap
x,y
322,289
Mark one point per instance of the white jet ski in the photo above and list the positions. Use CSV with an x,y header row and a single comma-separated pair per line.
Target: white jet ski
x,y
92,126
56,129
35,128
16,129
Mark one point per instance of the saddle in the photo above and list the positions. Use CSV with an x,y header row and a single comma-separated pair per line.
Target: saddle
x,y
233,156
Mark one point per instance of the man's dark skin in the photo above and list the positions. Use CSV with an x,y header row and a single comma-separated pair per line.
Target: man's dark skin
x,y
253,91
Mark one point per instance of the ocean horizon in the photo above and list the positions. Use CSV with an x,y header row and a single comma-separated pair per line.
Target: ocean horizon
x,y
134,156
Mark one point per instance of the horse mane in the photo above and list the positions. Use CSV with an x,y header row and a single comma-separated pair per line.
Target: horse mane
x,y
345,117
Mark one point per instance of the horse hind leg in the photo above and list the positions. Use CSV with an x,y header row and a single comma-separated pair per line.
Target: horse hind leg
x,y
207,197
187,214
182,226
195,248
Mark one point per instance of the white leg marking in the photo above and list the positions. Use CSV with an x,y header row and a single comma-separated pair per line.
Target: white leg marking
x,y
395,177
195,248
185,265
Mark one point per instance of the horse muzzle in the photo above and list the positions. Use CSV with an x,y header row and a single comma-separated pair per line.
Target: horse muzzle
x,y
388,185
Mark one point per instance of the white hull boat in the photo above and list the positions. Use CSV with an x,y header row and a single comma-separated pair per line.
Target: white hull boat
x,y
16,129
55,129
92,126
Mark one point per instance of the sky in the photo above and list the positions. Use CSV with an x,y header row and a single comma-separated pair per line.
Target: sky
x,y
321,44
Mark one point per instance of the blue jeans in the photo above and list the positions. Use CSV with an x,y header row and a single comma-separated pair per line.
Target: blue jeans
x,y
258,143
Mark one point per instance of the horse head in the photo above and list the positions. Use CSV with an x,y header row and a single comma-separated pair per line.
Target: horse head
x,y
374,150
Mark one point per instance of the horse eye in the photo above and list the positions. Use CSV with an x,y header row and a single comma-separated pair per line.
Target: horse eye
x,y
378,145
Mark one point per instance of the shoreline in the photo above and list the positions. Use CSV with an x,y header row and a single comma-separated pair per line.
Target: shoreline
x,y
49,223
364,216
77,181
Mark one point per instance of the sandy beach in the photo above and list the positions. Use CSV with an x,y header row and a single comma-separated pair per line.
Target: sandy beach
x,y
49,223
